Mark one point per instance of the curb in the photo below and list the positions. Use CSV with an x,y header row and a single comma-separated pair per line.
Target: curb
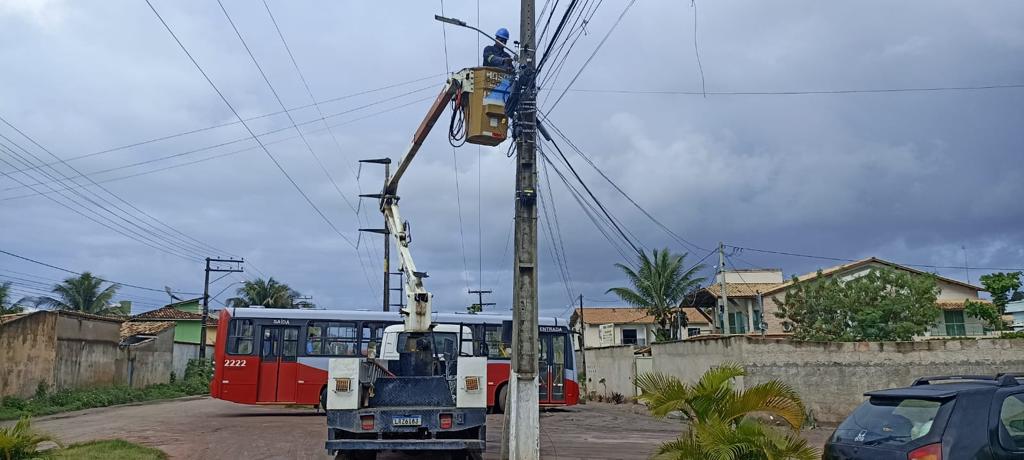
x,y
91,410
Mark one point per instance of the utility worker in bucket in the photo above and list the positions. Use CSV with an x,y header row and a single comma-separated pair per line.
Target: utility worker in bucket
x,y
495,55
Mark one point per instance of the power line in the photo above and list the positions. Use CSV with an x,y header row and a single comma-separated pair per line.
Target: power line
x,y
622,192
598,48
842,259
78,207
391,109
67,270
696,50
193,245
257,117
247,128
798,92
291,119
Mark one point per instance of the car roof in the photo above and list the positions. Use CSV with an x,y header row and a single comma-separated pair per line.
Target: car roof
x,y
934,392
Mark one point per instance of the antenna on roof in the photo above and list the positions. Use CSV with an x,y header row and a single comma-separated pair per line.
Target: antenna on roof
x,y
171,293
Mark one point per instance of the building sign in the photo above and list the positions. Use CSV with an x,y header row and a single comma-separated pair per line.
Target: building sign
x,y
606,334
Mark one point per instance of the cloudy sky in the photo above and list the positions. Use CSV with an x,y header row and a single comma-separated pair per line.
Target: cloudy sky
x,y
922,177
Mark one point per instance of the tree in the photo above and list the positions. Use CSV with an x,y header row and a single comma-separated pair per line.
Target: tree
x,y
1003,287
268,293
722,420
659,285
882,305
474,309
987,313
84,293
5,294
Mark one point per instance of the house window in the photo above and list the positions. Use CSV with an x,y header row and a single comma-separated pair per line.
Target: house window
x,y
692,331
240,336
737,323
954,320
629,337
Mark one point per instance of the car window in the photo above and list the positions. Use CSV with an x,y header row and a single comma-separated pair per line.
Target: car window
x,y
1011,419
889,421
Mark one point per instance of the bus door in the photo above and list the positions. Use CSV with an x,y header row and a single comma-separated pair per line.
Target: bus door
x,y
552,367
279,347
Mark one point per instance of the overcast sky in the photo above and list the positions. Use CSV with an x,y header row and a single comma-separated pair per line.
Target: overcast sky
x,y
911,177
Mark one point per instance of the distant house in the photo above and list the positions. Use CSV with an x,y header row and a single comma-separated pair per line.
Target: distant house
x,y
604,326
187,314
1016,312
952,296
744,289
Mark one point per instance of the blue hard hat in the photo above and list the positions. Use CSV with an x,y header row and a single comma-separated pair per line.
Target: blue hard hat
x,y
502,33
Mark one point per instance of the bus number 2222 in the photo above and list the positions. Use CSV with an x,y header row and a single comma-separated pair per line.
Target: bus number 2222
x,y
234,363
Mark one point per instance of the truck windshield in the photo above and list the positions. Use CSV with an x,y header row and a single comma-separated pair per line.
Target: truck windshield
x,y
445,343
889,421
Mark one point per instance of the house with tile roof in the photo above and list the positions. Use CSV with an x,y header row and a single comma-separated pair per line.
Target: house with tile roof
x,y
759,300
187,317
608,326
743,289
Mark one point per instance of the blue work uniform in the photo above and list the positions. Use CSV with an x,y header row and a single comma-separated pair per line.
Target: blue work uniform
x,y
496,56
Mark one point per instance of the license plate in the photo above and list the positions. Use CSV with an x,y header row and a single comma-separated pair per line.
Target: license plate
x,y
407,421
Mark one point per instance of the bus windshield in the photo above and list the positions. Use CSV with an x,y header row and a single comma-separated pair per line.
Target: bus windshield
x,y
444,342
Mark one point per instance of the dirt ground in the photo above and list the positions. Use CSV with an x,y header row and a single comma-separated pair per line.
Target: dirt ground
x,y
203,428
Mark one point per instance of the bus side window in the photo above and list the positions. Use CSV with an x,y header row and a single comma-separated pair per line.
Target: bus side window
x,y
314,339
341,339
240,337
369,344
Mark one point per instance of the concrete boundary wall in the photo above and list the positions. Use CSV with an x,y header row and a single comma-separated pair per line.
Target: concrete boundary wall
x,y
832,377
614,365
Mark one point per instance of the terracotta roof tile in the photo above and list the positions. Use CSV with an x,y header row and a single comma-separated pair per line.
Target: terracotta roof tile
x,y
868,260
741,289
632,315
170,313
946,304
132,328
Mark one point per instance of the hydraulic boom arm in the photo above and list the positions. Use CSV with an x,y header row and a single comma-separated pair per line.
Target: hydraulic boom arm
x,y
417,310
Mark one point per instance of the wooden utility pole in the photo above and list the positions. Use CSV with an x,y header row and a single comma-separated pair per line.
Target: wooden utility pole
x,y
479,306
234,266
521,432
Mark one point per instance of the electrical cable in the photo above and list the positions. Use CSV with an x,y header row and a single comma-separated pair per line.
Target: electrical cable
x,y
130,233
251,133
211,157
841,259
614,185
800,92
305,142
66,270
598,48
257,117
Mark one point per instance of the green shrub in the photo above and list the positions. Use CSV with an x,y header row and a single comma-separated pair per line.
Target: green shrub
x,y
1012,335
21,442
110,449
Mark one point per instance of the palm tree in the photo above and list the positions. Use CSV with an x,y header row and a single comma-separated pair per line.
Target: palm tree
x,y
84,293
269,293
659,285
5,307
721,425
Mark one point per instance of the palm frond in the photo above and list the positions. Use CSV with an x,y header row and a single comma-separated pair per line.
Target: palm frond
x,y
771,397
663,393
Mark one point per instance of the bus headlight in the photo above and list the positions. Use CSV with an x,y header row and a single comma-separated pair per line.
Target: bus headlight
x,y
342,384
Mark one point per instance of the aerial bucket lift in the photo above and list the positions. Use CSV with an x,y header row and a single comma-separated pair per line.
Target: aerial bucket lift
x,y
427,399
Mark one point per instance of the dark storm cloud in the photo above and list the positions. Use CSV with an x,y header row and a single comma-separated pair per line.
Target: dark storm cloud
x,y
908,176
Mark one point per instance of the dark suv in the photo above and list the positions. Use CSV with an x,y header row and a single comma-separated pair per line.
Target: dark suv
x,y
937,418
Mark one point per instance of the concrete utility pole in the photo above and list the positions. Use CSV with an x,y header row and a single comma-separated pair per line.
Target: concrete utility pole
x,y
521,432
722,287
583,349
235,266
384,231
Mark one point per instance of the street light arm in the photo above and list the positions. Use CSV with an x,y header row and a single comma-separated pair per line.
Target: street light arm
x,y
461,23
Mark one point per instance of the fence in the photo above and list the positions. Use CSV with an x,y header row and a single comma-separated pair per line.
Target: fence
x,y
831,377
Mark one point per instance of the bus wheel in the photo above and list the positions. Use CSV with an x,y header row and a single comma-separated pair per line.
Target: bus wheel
x,y
323,400
501,400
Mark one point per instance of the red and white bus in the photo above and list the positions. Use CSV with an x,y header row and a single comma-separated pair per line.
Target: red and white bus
x,y
280,356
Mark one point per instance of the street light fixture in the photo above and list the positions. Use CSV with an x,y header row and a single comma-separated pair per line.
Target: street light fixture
x,y
461,23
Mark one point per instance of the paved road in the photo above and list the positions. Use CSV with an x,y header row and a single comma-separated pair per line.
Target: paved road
x,y
213,429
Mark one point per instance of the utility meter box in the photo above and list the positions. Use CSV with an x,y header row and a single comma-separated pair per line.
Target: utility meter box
x,y
489,88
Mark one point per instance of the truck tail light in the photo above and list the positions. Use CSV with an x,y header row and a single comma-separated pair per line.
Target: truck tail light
x,y
446,421
929,452
366,422
342,384
472,383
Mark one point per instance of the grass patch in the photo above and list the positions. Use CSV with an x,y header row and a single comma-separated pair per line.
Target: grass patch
x,y
113,449
196,382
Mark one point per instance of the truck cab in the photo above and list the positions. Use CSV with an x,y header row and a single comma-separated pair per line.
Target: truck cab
x,y
391,403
